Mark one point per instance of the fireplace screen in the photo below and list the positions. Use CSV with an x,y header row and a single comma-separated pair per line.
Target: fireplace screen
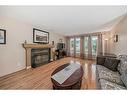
x,y
40,57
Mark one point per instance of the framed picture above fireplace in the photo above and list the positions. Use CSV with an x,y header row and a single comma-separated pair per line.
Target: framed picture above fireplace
x,y
40,36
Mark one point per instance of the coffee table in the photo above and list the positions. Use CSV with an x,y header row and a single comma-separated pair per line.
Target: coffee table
x,y
73,82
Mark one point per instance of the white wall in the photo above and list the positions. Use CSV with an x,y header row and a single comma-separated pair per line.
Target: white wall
x,y
121,30
12,54
105,42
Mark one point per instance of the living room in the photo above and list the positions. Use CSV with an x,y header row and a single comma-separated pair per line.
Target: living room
x,y
38,42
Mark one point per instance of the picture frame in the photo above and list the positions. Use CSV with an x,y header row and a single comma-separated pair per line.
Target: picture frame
x,y
52,42
2,36
40,36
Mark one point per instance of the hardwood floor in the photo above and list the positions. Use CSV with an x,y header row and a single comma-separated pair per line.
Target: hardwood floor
x,y
39,78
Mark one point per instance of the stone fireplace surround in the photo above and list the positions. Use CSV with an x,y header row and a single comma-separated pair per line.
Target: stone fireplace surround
x,y
29,47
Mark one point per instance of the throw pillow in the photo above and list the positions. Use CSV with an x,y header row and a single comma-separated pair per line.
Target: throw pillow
x,y
100,60
123,64
124,77
111,63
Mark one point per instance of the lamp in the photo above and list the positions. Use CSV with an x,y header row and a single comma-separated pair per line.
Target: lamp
x,y
115,38
106,39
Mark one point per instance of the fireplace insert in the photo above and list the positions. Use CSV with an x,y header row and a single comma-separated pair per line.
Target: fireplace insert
x,y
40,57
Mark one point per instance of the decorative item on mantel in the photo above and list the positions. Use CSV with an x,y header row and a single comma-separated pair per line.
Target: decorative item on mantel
x,y
52,42
25,42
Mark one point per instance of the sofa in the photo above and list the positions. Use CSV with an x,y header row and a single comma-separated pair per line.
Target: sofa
x,y
111,72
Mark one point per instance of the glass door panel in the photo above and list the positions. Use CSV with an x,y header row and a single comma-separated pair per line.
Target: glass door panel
x,y
72,47
94,40
77,47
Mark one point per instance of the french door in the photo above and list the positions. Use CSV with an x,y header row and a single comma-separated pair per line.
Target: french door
x,y
72,47
77,47
90,46
94,44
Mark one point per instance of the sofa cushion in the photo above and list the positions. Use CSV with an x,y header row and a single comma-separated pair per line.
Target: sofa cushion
x,y
101,60
123,64
111,63
107,74
107,85
124,78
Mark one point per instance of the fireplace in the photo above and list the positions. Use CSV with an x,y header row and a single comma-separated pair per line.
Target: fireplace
x,y
40,57
33,50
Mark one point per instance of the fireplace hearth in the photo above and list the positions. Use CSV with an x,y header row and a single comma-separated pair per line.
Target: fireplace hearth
x,y
40,57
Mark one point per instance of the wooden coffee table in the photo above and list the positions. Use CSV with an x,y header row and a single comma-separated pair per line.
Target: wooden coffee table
x,y
73,82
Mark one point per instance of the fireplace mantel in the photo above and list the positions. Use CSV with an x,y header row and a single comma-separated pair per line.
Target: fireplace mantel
x,y
28,48
37,46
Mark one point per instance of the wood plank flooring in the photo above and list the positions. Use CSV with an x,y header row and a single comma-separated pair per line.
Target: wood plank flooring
x,y
40,78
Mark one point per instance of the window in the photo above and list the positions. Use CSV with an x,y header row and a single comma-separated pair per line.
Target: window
x,y
77,44
94,45
72,46
75,47
86,47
